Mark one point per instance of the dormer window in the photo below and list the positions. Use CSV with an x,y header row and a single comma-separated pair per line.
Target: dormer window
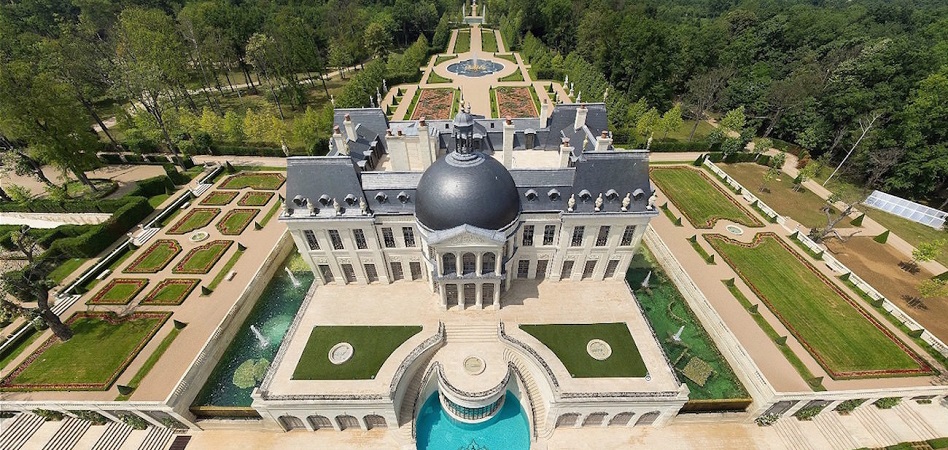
x,y
553,194
324,200
299,200
531,195
584,195
351,199
611,194
638,194
381,197
403,197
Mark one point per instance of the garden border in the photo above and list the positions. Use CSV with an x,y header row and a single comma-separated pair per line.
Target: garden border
x,y
174,230
141,282
141,258
220,225
179,268
714,219
147,301
243,199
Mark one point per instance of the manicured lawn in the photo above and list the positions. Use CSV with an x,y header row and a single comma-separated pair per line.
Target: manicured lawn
x,y
103,346
434,78
224,270
150,362
371,345
155,258
272,212
667,312
699,199
65,268
840,335
913,232
803,206
119,291
568,342
463,43
194,219
157,200
509,57
257,180
234,222
218,198
255,198
682,133
171,291
516,76
488,41
201,259
442,58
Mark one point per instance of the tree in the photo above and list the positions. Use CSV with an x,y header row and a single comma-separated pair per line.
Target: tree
x,y
703,92
30,284
260,50
671,120
768,176
927,251
648,123
932,288
865,124
378,39
806,173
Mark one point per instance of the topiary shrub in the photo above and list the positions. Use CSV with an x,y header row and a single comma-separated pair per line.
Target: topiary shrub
x,y
767,420
857,222
91,416
849,406
882,237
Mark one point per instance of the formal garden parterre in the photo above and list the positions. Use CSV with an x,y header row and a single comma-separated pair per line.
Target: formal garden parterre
x,y
372,345
255,198
236,220
199,260
219,198
196,218
515,102
841,336
118,291
172,291
155,258
103,346
268,181
434,104
699,198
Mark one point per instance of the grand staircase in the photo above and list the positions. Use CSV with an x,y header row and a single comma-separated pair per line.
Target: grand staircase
x,y
533,392
471,332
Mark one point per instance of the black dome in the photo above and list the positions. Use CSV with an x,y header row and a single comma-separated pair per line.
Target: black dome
x,y
466,188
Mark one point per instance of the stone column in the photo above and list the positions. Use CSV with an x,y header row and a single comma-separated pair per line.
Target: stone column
x,y
793,409
184,420
461,299
479,260
335,423
497,296
479,291
309,426
110,416
362,423
444,297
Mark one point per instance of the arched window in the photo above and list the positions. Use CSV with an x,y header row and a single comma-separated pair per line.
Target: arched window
x,y
450,263
488,262
469,263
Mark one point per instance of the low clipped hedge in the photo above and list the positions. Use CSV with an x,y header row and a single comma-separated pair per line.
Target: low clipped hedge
x,y
98,237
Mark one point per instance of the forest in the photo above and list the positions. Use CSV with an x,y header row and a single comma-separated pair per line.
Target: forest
x,y
863,80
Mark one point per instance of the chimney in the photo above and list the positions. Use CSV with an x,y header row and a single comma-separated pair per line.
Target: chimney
x,y
339,141
544,113
565,152
397,151
350,128
603,142
424,144
508,143
580,117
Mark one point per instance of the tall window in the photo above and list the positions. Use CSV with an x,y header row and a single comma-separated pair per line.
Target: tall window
x,y
603,236
371,274
627,235
311,239
388,237
523,268
577,236
528,235
415,269
397,271
409,234
360,239
348,273
326,272
611,268
469,263
336,239
487,263
549,234
589,268
567,270
541,268
449,261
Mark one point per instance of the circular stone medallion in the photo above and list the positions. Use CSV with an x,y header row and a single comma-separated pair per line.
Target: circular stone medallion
x,y
340,353
734,229
474,365
599,349
198,236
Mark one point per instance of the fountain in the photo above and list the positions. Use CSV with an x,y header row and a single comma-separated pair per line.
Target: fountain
x,y
292,277
474,67
645,281
261,339
677,336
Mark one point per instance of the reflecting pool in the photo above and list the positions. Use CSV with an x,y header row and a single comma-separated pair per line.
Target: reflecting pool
x,y
507,430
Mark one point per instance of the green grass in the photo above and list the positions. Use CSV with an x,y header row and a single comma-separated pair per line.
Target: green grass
x,y
682,133
150,362
15,351
100,350
667,311
913,232
267,181
803,206
255,198
65,268
442,58
201,259
434,78
112,268
508,57
815,383
224,270
463,43
119,291
157,200
195,219
536,97
155,258
488,41
494,109
568,343
671,216
372,345
171,291
702,202
846,341
414,103
707,257
170,218
219,198
272,212
236,220
516,76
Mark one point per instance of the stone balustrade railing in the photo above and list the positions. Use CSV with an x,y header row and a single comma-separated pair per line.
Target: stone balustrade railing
x,y
518,344
474,395
435,340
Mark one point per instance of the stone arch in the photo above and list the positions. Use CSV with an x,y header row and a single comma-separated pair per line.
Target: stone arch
x,y
621,419
346,421
567,420
291,422
488,262
647,418
374,421
319,422
594,419
450,263
468,263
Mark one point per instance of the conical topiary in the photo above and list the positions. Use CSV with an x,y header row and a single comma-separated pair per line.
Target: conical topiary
x,y
882,237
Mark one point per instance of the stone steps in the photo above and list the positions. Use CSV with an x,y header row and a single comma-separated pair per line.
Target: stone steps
x,y
791,435
471,333
834,431
19,430
881,433
915,421
114,436
68,434
156,439
533,391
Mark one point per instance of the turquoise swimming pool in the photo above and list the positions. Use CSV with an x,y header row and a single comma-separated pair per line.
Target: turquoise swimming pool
x,y
508,430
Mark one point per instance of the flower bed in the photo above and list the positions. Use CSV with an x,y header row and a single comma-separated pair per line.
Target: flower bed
x,y
155,257
101,349
254,198
171,291
236,220
119,291
515,102
434,104
194,219
219,198
201,259
270,181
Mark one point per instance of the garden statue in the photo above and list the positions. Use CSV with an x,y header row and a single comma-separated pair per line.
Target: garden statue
x,y
363,206
378,93
648,144
336,206
571,90
571,203
652,200
579,98
380,100
384,86
332,99
286,151
566,80
626,202
677,336
605,95
599,202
